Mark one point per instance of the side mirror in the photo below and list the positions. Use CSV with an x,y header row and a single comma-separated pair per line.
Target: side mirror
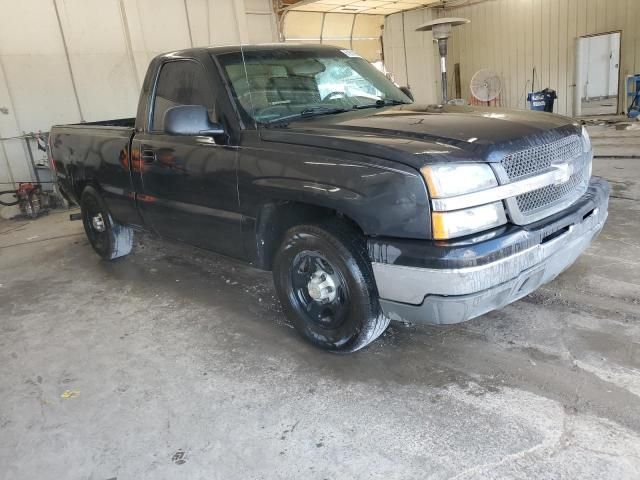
x,y
190,120
407,92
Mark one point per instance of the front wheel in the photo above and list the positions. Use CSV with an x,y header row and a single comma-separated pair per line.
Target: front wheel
x,y
324,280
108,238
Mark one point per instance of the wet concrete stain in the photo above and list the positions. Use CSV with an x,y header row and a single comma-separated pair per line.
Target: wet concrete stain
x,y
179,458
620,189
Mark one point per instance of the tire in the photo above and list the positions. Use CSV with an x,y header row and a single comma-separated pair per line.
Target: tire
x,y
337,310
108,238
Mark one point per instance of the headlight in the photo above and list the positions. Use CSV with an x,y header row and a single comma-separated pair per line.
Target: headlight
x,y
449,180
586,141
464,222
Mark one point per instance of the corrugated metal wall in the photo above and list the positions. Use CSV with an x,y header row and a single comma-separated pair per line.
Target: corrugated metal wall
x,y
409,55
514,36
64,61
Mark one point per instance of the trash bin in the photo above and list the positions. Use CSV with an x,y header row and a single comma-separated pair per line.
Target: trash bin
x,y
543,100
536,101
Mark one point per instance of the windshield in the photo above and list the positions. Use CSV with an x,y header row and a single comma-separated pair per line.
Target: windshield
x,y
288,83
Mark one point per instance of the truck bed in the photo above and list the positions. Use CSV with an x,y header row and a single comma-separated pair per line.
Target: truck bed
x,y
97,153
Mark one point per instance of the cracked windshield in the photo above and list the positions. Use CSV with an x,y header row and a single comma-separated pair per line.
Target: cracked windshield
x,y
288,84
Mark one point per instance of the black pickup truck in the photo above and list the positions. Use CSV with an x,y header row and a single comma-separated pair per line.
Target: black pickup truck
x,y
308,161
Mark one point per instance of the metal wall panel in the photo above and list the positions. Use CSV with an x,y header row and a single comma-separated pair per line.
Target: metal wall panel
x,y
358,32
65,61
34,62
410,56
100,63
514,36
261,23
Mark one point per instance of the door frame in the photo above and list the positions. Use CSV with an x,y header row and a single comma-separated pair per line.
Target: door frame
x,y
577,87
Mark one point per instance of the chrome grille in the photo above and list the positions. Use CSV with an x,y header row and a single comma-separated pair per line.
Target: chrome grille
x,y
537,204
536,159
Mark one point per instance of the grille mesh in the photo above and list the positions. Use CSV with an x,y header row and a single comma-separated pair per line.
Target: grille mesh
x,y
550,194
536,159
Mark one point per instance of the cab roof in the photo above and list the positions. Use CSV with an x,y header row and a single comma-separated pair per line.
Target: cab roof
x,y
219,50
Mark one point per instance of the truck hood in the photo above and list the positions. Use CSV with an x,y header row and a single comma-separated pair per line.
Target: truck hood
x,y
419,134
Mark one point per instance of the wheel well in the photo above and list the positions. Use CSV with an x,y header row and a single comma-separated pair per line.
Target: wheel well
x,y
81,185
79,188
276,218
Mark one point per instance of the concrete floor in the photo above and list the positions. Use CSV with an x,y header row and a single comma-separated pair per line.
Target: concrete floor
x,y
614,136
178,364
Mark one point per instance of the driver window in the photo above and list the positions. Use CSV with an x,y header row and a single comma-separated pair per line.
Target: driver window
x,y
180,83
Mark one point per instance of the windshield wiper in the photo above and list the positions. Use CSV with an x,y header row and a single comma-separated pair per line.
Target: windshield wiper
x,y
381,103
308,112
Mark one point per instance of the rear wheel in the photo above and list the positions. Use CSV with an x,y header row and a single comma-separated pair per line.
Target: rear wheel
x,y
108,238
323,277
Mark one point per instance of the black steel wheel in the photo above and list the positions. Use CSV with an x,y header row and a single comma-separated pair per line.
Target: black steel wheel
x,y
108,238
323,277
319,290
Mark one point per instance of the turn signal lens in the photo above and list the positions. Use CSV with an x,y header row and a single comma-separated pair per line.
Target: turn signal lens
x,y
470,220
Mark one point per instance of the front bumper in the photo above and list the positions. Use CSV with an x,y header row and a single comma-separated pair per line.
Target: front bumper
x,y
492,273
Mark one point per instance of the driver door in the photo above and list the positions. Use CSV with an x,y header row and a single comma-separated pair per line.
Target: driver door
x,y
189,184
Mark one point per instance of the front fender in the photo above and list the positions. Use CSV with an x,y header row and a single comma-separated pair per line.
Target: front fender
x,y
384,198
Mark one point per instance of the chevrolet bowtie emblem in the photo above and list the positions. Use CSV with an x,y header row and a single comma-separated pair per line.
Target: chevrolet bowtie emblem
x,y
564,171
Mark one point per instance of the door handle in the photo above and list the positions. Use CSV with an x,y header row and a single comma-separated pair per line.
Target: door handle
x,y
148,156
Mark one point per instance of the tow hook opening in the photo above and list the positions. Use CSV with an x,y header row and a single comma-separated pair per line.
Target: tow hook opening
x,y
590,213
556,234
